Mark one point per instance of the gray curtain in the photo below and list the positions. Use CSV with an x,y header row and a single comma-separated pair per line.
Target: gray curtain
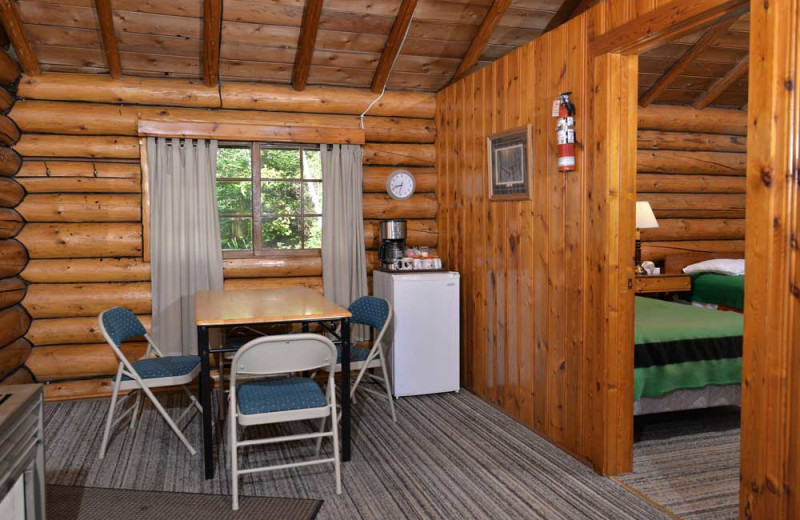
x,y
185,247
344,262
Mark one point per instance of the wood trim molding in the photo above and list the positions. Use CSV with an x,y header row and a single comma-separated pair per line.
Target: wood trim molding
x,y
212,36
485,31
770,466
723,84
664,23
239,131
9,15
706,40
393,45
105,17
306,43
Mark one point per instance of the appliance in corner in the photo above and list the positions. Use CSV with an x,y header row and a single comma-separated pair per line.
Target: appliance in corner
x,y
423,338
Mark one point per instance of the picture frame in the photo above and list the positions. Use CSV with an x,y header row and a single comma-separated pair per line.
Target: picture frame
x,y
510,163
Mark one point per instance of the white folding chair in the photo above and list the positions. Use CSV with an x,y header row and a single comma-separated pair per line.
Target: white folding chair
x,y
377,314
273,399
151,371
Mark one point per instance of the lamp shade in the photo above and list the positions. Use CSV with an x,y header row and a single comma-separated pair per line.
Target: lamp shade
x,y
645,219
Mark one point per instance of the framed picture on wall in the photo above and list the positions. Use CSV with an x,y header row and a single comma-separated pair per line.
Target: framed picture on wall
x,y
510,164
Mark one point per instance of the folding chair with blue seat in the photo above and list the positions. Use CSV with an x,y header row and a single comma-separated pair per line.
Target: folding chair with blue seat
x,y
119,325
377,314
277,396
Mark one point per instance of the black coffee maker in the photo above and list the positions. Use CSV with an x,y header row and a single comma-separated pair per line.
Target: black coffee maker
x,y
393,243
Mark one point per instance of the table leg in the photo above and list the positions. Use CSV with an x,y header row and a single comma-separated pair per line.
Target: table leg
x,y
205,400
345,382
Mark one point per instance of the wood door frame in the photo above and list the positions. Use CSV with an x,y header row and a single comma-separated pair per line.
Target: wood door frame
x,y
610,233
770,463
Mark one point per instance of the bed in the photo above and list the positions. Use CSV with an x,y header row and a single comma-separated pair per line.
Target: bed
x,y
685,357
719,291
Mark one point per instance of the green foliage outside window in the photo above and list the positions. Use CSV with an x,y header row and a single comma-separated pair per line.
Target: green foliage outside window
x,y
291,198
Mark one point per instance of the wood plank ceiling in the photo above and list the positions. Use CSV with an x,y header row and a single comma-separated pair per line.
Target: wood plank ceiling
x,y
708,68
353,43
259,38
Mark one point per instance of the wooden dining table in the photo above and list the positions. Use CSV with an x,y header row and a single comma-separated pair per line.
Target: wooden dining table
x,y
220,309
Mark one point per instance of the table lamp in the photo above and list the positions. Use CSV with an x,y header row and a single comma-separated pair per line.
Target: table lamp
x,y
645,219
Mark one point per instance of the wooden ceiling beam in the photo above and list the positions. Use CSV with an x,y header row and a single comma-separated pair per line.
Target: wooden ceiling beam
x,y
393,45
665,23
9,14
108,34
568,10
706,41
306,43
212,36
485,31
723,84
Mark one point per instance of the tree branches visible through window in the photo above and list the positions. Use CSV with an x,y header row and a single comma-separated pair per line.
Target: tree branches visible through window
x,y
270,197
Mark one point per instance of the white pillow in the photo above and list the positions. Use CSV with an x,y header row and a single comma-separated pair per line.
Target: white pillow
x,y
729,266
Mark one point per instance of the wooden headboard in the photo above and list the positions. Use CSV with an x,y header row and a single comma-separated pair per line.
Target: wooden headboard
x,y
674,264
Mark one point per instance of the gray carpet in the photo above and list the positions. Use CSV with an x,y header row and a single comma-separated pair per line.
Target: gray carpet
x,y
449,456
83,503
689,463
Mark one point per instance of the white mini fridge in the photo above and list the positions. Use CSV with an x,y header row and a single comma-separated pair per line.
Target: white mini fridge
x,y
423,337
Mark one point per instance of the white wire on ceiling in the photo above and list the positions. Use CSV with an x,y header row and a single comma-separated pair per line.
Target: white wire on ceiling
x,y
383,91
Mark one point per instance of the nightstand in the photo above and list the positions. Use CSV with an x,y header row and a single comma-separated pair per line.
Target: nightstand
x,y
663,283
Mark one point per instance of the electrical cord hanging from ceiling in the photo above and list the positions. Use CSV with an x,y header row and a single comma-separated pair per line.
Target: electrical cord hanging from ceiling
x,y
383,91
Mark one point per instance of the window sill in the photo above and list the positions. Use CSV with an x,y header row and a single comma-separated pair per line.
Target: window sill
x,y
273,253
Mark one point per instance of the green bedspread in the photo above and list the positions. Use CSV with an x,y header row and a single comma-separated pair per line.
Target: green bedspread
x,y
719,289
681,346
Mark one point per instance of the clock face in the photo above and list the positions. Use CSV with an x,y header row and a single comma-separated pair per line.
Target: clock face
x,y
401,184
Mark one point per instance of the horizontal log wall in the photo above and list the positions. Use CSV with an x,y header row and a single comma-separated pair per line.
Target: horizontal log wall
x,y
82,175
691,168
14,320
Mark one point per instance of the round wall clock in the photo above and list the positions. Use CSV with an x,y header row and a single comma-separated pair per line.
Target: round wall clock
x,y
401,184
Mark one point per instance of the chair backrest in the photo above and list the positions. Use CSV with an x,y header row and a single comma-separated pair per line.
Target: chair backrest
x,y
271,355
118,325
372,311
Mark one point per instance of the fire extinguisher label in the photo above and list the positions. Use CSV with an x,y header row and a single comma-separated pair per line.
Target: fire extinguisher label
x,y
567,161
556,106
570,136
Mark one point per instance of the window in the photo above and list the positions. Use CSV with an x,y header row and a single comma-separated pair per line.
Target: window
x,y
270,197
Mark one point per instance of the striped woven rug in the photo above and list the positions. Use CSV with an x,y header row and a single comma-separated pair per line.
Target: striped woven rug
x,y
449,456
689,463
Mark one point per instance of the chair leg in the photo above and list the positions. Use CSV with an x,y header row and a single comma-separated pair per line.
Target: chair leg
x,y
193,399
387,384
135,413
319,439
110,418
336,462
234,459
221,368
169,420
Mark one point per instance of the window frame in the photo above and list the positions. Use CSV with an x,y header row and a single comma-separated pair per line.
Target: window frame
x,y
256,206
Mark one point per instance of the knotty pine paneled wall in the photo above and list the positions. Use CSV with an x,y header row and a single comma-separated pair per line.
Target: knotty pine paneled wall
x,y
521,262
691,168
547,301
14,321
83,226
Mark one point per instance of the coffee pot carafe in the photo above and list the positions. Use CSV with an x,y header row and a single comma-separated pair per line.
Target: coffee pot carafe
x,y
393,243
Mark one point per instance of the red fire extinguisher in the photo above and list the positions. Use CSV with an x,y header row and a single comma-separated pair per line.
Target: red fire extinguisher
x,y
565,132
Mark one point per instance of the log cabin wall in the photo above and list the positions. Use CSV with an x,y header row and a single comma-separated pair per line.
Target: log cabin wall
x,y
521,262
691,167
83,213
14,320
